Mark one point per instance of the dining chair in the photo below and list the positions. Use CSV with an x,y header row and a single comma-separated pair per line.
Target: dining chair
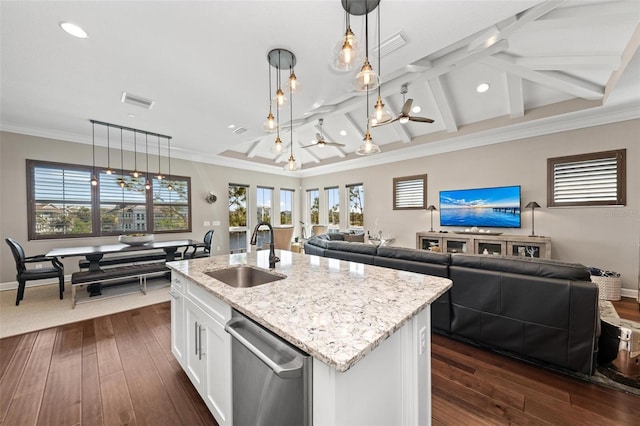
x,y
206,247
25,274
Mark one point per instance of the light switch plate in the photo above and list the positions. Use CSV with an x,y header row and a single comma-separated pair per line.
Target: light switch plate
x,y
206,223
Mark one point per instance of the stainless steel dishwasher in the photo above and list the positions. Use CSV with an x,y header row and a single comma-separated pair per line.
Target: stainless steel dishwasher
x,y
271,379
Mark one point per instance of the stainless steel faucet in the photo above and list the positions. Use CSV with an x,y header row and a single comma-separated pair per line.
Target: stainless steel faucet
x,y
272,253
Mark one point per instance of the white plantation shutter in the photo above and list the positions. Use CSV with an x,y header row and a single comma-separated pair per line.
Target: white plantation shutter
x,y
590,179
409,193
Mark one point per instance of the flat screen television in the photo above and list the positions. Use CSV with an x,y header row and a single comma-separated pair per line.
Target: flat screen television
x,y
497,207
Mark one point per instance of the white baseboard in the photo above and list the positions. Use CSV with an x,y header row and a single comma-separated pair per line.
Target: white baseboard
x,y
12,285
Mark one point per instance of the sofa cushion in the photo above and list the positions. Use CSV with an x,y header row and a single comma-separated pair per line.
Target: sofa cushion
x,y
363,248
523,265
354,238
413,254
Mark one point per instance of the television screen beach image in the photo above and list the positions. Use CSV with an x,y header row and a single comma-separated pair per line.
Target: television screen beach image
x,y
497,207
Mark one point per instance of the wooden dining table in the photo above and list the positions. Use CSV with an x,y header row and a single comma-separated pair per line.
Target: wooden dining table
x,y
95,253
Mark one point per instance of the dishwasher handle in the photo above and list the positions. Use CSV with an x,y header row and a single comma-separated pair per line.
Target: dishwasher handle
x,y
288,370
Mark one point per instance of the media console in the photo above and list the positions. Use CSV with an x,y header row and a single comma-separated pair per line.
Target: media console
x,y
484,243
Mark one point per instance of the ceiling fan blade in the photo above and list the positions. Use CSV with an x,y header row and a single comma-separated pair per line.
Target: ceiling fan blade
x,y
387,122
406,109
334,144
309,146
421,119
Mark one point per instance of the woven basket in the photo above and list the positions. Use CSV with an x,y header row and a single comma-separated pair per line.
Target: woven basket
x,y
609,287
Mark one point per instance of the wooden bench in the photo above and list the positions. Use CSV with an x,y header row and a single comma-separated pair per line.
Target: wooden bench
x,y
139,271
119,260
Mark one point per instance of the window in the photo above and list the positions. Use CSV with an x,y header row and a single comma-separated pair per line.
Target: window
x,y
410,193
333,207
313,206
63,204
356,205
263,203
238,218
286,206
594,179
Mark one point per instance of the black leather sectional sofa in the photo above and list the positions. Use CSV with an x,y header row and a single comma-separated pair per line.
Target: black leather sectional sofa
x,y
540,310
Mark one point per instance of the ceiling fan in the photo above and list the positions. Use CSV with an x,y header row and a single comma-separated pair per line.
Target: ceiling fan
x,y
320,139
404,116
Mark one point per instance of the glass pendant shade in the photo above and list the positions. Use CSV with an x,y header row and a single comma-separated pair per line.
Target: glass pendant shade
x,y
291,165
293,84
380,115
367,79
280,99
277,147
368,147
270,124
347,52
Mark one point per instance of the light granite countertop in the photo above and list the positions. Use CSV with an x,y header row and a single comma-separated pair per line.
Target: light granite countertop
x,y
336,311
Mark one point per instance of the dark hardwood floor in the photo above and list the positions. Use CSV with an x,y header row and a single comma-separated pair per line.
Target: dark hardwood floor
x,y
119,370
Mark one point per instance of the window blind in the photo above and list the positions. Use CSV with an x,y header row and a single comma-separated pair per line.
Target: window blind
x,y
409,192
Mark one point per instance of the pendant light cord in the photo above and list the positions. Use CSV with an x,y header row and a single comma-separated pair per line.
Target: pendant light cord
x,y
379,60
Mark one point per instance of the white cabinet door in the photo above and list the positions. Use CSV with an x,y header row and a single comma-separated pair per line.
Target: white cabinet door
x,y
177,324
208,360
218,359
195,334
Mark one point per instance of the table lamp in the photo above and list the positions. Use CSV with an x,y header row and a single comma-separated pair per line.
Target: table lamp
x,y
431,208
532,205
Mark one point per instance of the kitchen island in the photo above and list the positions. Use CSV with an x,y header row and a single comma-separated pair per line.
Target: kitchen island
x,y
366,327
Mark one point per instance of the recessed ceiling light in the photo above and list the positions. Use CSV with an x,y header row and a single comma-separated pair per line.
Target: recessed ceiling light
x,y
343,132
231,126
416,109
482,87
73,29
131,116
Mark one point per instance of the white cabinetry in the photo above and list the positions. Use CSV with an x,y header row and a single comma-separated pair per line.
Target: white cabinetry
x,y
201,345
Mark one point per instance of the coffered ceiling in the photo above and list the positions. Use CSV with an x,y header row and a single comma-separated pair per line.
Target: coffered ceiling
x,y
550,65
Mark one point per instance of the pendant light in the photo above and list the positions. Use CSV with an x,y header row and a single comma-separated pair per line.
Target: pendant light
x,y
279,59
291,165
94,179
147,184
380,115
368,147
135,173
109,170
121,181
270,124
280,99
277,148
159,175
169,186
347,52
366,79
293,84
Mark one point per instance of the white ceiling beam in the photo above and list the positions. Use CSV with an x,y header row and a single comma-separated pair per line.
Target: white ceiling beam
x,y
627,55
613,12
254,148
307,152
555,80
529,16
568,62
354,126
516,96
443,102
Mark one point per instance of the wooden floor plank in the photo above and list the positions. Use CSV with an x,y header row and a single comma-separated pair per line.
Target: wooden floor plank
x,y
149,396
11,379
91,395
8,347
61,402
452,414
116,401
191,411
25,404
558,413
106,347
88,338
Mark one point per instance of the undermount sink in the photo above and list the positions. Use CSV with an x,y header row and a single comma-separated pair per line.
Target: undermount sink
x,y
244,276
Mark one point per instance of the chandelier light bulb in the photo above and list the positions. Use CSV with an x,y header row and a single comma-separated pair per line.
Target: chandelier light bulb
x,y
136,173
367,79
109,171
270,124
121,183
94,181
159,176
294,84
347,51
278,144
280,99
147,185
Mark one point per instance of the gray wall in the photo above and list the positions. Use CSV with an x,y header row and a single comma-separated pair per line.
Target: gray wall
x,y
606,237
15,149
